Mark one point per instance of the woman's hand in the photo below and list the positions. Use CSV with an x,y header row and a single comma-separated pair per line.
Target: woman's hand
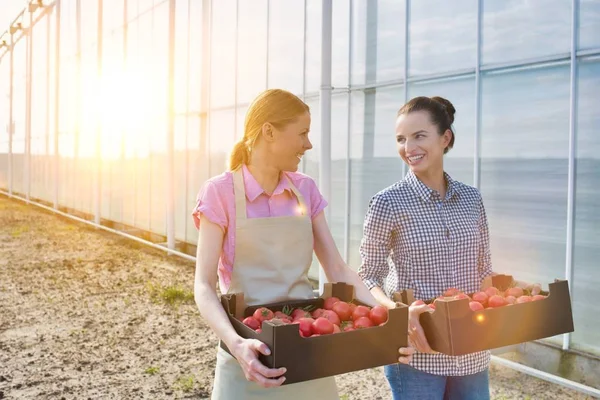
x,y
246,351
416,335
405,354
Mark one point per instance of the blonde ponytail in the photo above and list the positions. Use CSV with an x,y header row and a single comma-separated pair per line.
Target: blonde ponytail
x,y
239,155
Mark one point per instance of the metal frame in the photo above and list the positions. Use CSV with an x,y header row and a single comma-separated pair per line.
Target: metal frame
x,y
572,155
325,110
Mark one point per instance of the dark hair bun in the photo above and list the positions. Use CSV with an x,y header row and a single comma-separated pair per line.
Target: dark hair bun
x,y
449,107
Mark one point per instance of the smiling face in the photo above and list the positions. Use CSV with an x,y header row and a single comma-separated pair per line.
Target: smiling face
x,y
289,143
420,143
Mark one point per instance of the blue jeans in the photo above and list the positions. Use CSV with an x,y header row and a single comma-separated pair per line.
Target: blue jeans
x,y
408,383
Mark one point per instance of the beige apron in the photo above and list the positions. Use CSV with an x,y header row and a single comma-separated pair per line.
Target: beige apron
x,y
272,258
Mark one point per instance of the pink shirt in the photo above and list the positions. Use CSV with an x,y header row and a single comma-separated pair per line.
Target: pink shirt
x,y
216,202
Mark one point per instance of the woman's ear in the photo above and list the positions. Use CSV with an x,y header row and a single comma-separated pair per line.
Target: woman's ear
x,y
267,132
447,138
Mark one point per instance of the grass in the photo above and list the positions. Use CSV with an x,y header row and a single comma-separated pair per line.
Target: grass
x,y
184,383
152,370
19,230
171,295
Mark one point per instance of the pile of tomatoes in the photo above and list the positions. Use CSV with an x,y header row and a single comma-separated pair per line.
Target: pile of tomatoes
x,y
336,316
492,297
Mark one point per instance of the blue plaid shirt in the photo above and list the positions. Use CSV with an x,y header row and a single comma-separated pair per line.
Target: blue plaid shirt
x,y
414,239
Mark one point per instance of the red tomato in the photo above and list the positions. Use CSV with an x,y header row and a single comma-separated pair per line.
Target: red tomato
x,y
461,296
538,297
481,297
343,310
322,326
451,292
514,291
305,326
352,307
492,291
524,299
251,322
263,314
280,315
336,329
475,306
317,313
497,301
378,314
300,313
362,322
331,316
329,302
360,311
432,306
510,299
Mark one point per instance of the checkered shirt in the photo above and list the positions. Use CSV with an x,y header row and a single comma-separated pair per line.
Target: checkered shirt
x,y
413,239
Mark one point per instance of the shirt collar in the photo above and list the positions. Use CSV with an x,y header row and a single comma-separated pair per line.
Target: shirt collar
x,y
425,192
253,188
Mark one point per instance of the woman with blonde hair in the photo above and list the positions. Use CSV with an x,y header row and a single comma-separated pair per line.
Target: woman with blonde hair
x,y
259,224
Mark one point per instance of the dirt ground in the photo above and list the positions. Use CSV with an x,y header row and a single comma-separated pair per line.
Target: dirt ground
x,y
85,314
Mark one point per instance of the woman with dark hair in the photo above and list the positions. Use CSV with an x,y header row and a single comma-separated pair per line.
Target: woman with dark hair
x,y
428,233
259,224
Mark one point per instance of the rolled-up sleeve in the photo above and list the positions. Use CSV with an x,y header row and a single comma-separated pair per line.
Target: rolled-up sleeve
x,y
211,204
375,246
484,260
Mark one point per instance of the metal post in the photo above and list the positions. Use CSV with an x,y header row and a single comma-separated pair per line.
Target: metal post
x,y
74,171
170,169
205,85
325,103
11,122
98,169
572,173
47,101
28,83
406,60
56,102
348,197
477,155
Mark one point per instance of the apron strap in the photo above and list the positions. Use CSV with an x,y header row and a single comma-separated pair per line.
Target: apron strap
x,y
239,191
240,195
301,201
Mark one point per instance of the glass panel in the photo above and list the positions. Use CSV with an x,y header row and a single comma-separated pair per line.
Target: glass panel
x,y
89,23
587,211
461,92
181,171
252,50
222,62
340,44
195,56
524,157
196,175
313,45
339,182
375,163
589,24
443,36
182,55
378,40
286,45
221,138
112,17
4,118
516,30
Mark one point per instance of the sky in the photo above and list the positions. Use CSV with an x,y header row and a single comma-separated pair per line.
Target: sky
x,y
8,11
